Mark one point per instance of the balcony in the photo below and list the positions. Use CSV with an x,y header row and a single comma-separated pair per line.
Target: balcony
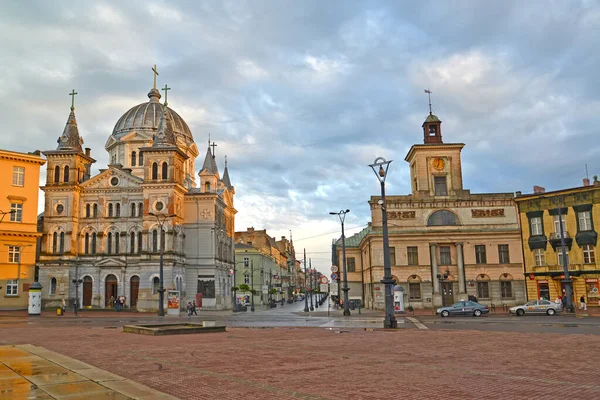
x,y
555,240
558,270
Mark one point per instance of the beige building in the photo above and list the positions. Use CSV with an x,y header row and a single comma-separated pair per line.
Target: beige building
x,y
446,243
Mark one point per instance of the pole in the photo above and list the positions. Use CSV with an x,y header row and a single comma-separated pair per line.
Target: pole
x,y
390,320
76,281
310,275
567,281
161,288
345,289
305,288
252,284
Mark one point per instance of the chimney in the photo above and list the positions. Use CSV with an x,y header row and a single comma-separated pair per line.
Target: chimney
x,y
538,190
586,182
88,151
250,230
518,194
596,183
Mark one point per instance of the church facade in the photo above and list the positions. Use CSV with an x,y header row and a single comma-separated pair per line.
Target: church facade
x,y
103,236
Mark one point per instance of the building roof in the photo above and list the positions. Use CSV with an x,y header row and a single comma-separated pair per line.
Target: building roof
x,y
209,163
354,240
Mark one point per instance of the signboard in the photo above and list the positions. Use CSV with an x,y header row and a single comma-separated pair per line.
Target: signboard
x,y
334,277
265,289
324,280
323,288
275,276
334,268
173,302
333,288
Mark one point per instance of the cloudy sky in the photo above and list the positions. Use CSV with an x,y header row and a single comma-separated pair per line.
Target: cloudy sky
x,y
303,95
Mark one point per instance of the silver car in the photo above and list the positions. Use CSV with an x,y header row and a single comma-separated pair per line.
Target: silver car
x,y
463,308
537,307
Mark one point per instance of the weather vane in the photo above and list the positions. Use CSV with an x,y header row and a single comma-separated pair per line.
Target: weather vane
x,y
429,95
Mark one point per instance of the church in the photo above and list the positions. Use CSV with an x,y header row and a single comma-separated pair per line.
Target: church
x,y
105,236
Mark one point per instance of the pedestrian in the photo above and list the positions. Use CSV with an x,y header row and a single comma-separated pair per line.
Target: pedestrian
x,y
122,305
64,306
194,308
189,310
582,305
558,300
563,300
112,301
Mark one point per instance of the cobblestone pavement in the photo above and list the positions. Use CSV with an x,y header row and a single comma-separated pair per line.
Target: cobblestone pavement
x,y
323,363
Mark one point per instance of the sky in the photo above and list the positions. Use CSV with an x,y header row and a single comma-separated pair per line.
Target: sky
x,y
302,95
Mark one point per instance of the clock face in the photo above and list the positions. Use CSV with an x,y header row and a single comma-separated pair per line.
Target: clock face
x,y
438,163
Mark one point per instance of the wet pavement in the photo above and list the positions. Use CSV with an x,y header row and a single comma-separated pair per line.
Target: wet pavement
x,y
32,372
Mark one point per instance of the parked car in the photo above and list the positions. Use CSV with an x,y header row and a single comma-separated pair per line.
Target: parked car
x,y
537,307
463,308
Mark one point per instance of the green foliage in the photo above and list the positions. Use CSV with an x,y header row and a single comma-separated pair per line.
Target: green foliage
x,y
244,287
235,288
410,308
273,291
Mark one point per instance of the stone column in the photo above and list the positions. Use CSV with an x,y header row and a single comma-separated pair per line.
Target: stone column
x,y
434,267
461,269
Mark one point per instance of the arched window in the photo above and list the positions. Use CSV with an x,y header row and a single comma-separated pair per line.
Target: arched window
x,y
117,237
118,210
141,163
56,174
443,218
139,248
132,243
133,158
141,210
87,243
87,210
133,209
109,243
62,243
55,243
164,170
95,210
53,286
66,177
155,241
207,187
154,171
94,243
155,284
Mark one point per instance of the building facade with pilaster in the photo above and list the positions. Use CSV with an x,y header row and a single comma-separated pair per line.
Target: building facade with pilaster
x,y
446,243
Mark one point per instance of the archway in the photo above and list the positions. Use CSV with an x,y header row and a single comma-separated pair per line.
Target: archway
x,y
111,284
134,287
87,291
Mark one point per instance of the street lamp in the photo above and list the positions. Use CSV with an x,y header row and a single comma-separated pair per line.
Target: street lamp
x,y
381,173
565,259
161,219
306,309
342,216
3,214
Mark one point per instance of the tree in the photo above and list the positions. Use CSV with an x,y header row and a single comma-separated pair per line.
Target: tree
x,y
244,287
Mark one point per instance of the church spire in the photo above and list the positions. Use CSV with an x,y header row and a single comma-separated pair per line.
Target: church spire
x,y
164,134
70,139
432,127
226,180
209,162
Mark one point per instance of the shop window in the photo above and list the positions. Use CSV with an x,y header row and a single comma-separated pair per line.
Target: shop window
x,y
543,290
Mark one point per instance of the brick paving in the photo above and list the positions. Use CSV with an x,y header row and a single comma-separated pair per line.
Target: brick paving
x,y
317,363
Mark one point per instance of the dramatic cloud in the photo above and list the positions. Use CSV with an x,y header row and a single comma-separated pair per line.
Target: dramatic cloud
x,y
301,96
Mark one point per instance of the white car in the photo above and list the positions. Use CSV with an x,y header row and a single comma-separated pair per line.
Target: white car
x,y
537,307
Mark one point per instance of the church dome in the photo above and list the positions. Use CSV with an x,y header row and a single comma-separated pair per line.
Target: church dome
x,y
144,118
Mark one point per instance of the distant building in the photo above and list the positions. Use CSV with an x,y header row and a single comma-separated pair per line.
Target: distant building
x,y
19,180
579,209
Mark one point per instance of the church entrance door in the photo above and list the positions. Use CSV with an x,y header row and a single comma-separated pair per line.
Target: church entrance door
x,y
111,291
447,294
134,287
87,291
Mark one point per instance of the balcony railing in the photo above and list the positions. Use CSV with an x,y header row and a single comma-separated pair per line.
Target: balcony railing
x,y
556,235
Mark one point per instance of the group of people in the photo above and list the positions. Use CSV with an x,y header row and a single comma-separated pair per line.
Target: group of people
x,y
118,304
191,308
563,300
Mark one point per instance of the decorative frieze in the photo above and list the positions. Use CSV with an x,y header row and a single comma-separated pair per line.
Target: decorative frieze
x,y
495,212
401,214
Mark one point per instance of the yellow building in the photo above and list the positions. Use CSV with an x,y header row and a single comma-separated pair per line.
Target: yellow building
x,y
540,214
19,180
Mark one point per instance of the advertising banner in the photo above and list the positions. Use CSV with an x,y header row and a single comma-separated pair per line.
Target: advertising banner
x,y
173,302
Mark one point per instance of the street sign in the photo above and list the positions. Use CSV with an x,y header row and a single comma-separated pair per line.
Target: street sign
x,y
265,289
334,268
324,280
334,277
323,288
275,276
333,288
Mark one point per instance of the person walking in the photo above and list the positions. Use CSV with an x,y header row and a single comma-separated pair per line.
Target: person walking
x,y
582,305
194,308
189,310
64,306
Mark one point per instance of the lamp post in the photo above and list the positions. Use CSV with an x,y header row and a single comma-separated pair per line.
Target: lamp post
x,y
252,285
381,173
306,309
342,216
310,276
161,219
565,260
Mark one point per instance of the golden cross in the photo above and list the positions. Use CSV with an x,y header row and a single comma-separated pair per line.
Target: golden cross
x,y
155,73
165,89
72,94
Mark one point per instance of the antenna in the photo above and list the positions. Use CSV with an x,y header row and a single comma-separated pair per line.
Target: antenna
x,y
429,95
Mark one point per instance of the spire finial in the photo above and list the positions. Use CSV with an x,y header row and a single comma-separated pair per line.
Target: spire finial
x,y
155,71
209,140
213,145
72,94
226,162
166,89
429,95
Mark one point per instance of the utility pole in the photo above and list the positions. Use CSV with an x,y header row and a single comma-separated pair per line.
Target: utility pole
x,y
305,288
252,284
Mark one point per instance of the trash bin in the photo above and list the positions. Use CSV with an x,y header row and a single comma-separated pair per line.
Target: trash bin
x,y
59,311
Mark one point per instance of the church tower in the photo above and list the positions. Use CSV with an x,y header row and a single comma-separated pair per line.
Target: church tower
x,y
209,174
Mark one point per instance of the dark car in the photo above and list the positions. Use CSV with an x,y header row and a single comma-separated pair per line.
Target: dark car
x,y
463,308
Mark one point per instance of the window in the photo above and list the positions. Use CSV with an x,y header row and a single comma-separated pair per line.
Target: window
x,y
155,241
117,237
392,255
543,291
18,176
16,210
55,243
155,285
560,256
95,210
351,263
61,244
14,254
443,218
133,209
480,257
540,257
503,254
66,177
506,289
56,174
139,242
154,171
413,255
536,226
445,255
440,186
87,210
164,170
132,243
141,209
246,279
414,291
87,243
207,288
557,224
141,163
133,158
118,210
246,262
589,257
110,209
483,290
207,187
109,243
53,286
94,243
585,221
12,287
